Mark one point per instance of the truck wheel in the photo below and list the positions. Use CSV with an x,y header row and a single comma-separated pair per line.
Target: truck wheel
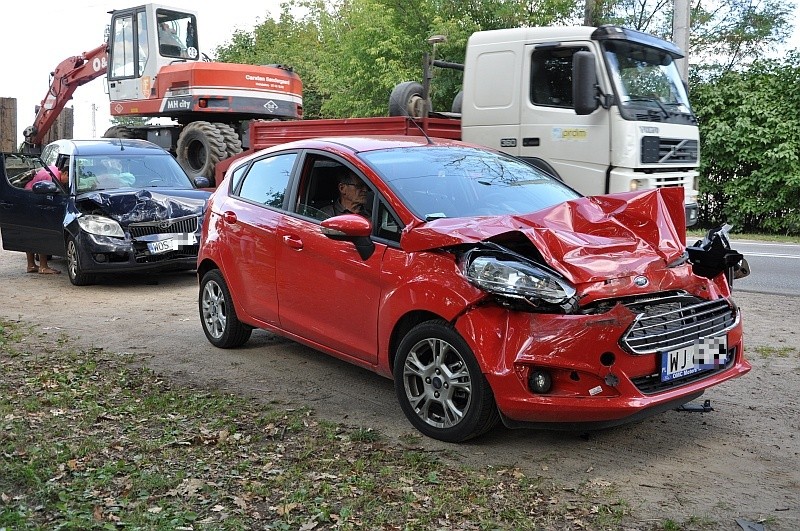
x,y
118,131
457,102
200,147
233,144
406,100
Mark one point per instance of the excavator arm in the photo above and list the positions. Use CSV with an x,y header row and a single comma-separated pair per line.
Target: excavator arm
x,y
70,74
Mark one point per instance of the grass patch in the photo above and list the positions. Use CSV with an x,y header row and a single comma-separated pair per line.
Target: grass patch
x,y
88,440
777,352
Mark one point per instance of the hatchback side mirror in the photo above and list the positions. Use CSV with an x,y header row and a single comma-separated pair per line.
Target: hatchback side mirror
x,y
351,227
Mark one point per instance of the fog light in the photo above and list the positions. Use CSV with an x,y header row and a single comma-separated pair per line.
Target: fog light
x,y
101,258
540,382
638,184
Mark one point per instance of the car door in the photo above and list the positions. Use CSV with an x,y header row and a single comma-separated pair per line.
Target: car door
x,y
31,221
327,292
252,215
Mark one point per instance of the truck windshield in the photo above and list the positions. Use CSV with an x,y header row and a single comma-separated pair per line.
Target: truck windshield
x,y
647,81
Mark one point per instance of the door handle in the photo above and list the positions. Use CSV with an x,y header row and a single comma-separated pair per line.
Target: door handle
x,y
229,217
293,242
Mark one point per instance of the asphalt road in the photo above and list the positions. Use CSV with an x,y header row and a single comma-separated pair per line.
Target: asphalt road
x,y
774,267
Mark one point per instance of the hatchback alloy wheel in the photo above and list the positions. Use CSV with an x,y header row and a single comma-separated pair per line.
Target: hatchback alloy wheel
x,y
220,324
440,386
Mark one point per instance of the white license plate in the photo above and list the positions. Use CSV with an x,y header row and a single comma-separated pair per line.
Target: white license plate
x,y
171,244
704,354
161,246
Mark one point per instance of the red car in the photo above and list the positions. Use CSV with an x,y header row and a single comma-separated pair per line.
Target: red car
x,y
485,288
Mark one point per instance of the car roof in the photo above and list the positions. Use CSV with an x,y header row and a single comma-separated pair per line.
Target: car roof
x,y
107,146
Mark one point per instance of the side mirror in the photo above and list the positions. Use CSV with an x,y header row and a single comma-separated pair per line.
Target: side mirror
x,y
202,181
45,188
584,83
351,227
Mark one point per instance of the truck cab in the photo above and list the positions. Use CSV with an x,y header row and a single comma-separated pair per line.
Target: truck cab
x,y
521,96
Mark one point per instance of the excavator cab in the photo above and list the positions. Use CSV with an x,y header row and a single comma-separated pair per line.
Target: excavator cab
x,y
142,40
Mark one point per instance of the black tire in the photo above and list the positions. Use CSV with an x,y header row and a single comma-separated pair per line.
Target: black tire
x,y
440,386
233,144
200,147
406,100
220,324
74,269
458,102
119,131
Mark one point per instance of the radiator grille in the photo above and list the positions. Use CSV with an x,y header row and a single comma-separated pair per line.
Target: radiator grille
x,y
657,150
676,321
187,225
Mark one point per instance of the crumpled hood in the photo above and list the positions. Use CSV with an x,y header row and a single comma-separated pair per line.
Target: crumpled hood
x,y
586,240
131,206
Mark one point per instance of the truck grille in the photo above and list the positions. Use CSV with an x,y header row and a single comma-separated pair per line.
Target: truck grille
x,y
657,150
676,321
187,225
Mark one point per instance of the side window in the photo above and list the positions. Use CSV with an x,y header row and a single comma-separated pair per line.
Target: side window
x,y
551,76
389,227
267,180
122,48
236,176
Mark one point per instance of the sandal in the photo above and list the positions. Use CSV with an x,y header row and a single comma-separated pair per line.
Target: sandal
x,y
33,269
48,271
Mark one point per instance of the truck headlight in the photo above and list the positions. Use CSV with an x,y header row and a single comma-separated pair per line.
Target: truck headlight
x,y
638,184
514,278
101,226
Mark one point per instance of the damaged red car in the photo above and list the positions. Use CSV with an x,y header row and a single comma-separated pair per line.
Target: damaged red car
x,y
486,289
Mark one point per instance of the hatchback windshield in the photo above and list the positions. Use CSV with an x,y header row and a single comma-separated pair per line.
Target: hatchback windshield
x,y
448,182
113,171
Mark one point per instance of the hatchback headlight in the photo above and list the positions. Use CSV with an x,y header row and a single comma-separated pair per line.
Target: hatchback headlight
x,y
101,226
515,278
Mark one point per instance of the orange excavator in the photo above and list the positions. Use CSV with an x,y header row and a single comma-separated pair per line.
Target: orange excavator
x,y
154,69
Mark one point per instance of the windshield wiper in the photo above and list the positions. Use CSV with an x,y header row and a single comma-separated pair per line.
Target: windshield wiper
x,y
653,100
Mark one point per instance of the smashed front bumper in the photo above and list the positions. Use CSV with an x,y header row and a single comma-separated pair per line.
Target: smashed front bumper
x,y
605,368
146,246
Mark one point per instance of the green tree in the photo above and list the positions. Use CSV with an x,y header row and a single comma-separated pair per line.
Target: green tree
x,y
723,34
750,147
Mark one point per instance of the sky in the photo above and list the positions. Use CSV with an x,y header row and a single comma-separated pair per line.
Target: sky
x,y
37,35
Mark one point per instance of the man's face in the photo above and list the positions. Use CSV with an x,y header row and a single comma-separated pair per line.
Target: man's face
x,y
353,191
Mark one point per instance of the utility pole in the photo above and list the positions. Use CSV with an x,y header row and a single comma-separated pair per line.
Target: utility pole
x,y
94,116
680,34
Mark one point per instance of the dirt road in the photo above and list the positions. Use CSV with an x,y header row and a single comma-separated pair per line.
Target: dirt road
x,y
701,470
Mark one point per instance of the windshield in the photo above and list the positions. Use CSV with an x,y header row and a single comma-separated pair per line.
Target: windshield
x,y
646,79
111,172
453,182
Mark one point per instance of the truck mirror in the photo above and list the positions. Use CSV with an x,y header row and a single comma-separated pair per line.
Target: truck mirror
x,y
584,83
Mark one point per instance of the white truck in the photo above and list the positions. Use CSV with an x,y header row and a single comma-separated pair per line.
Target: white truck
x,y
604,108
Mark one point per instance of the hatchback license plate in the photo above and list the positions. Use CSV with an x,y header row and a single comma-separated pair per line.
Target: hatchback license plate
x,y
704,354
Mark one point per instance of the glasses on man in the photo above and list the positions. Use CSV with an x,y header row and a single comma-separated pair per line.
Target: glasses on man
x,y
358,184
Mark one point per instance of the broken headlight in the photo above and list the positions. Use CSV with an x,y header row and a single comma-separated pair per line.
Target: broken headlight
x,y
101,226
515,278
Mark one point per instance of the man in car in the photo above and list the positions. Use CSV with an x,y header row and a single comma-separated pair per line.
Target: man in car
x,y
353,195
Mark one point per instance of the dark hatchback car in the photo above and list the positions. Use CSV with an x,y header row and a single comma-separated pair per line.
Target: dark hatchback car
x,y
485,288
127,206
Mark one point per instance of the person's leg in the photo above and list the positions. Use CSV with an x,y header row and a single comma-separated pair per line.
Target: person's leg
x,y
32,267
44,268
